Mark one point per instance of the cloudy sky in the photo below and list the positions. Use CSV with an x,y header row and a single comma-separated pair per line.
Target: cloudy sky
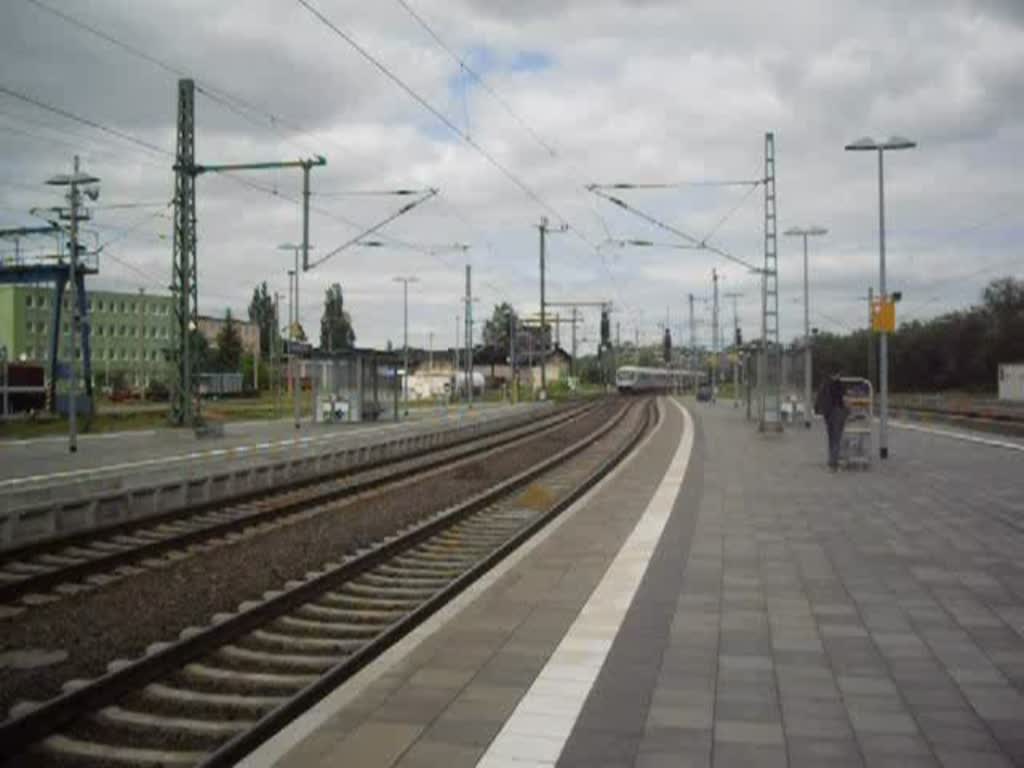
x,y
678,92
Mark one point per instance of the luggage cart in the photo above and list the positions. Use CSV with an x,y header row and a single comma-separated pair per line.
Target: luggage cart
x,y
855,448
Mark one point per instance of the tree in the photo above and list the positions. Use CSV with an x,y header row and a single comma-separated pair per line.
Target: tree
x,y
261,312
229,345
498,329
335,323
199,350
955,351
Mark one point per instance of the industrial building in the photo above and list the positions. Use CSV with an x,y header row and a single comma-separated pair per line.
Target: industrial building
x,y
129,332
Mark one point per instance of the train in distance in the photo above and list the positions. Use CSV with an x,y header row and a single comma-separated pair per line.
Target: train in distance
x,y
632,379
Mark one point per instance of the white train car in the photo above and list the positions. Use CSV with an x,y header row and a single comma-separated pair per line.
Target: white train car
x,y
632,379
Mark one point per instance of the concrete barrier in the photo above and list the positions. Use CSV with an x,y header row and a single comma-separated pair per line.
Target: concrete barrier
x,y
91,503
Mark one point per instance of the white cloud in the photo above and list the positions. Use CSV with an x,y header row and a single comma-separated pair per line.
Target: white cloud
x,y
638,91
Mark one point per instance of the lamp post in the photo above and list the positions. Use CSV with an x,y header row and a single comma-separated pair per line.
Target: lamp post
x,y
296,248
868,144
805,233
405,334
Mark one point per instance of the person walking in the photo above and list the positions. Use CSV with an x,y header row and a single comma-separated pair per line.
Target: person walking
x,y
830,405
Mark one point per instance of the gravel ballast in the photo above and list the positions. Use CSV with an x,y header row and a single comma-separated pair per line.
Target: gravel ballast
x,y
119,619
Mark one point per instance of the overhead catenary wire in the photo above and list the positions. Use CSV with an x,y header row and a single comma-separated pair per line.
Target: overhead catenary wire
x,y
234,103
422,101
370,230
465,67
681,184
463,135
700,244
731,213
15,94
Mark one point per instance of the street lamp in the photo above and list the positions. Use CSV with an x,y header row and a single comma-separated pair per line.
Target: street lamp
x,y
868,144
293,324
405,280
805,233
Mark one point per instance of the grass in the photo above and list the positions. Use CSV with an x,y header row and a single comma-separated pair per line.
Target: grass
x,y
135,415
118,417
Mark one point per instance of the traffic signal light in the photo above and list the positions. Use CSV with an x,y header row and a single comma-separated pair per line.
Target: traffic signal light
x,y
739,337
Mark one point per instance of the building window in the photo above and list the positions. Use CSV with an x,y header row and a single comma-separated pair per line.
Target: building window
x,y
89,304
65,328
99,305
123,331
28,301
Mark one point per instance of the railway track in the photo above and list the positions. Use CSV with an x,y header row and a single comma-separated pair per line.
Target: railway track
x,y
216,692
42,572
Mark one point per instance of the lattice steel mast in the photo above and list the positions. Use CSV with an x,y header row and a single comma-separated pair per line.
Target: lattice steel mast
x,y
770,373
184,285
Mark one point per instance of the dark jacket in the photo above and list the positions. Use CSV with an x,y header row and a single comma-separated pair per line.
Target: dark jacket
x,y
830,397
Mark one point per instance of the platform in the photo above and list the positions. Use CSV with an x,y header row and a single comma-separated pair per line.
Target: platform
x,y
729,604
44,461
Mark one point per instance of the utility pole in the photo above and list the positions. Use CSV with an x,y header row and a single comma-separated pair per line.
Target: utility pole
x,y
736,338
693,335
572,365
276,353
512,355
430,351
292,333
405,334
872,360
455,350
715,341
142,347
304,248
544,229
805,233
184,283
74,215
469,335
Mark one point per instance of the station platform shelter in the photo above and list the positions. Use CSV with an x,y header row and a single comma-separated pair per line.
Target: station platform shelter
x,y
722,599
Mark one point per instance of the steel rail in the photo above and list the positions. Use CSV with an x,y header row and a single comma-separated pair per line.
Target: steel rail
x,y
12,591
19,733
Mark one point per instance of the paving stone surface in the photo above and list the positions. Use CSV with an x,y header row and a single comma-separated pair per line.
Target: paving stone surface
x,y
862,618
789,617
447,700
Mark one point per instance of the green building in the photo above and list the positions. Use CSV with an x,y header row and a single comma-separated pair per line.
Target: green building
x,y
130,331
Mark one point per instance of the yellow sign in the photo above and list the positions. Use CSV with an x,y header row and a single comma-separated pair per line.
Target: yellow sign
x,y
883,315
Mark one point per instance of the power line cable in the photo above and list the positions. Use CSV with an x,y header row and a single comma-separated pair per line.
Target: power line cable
x,y
413,94
454,128
230,101
680,184
731,213
700,244
85,145
84,120
479,79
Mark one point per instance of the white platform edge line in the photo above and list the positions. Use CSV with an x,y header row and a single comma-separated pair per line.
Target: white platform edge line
x,y
585,647
279,745
239,450
959,436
